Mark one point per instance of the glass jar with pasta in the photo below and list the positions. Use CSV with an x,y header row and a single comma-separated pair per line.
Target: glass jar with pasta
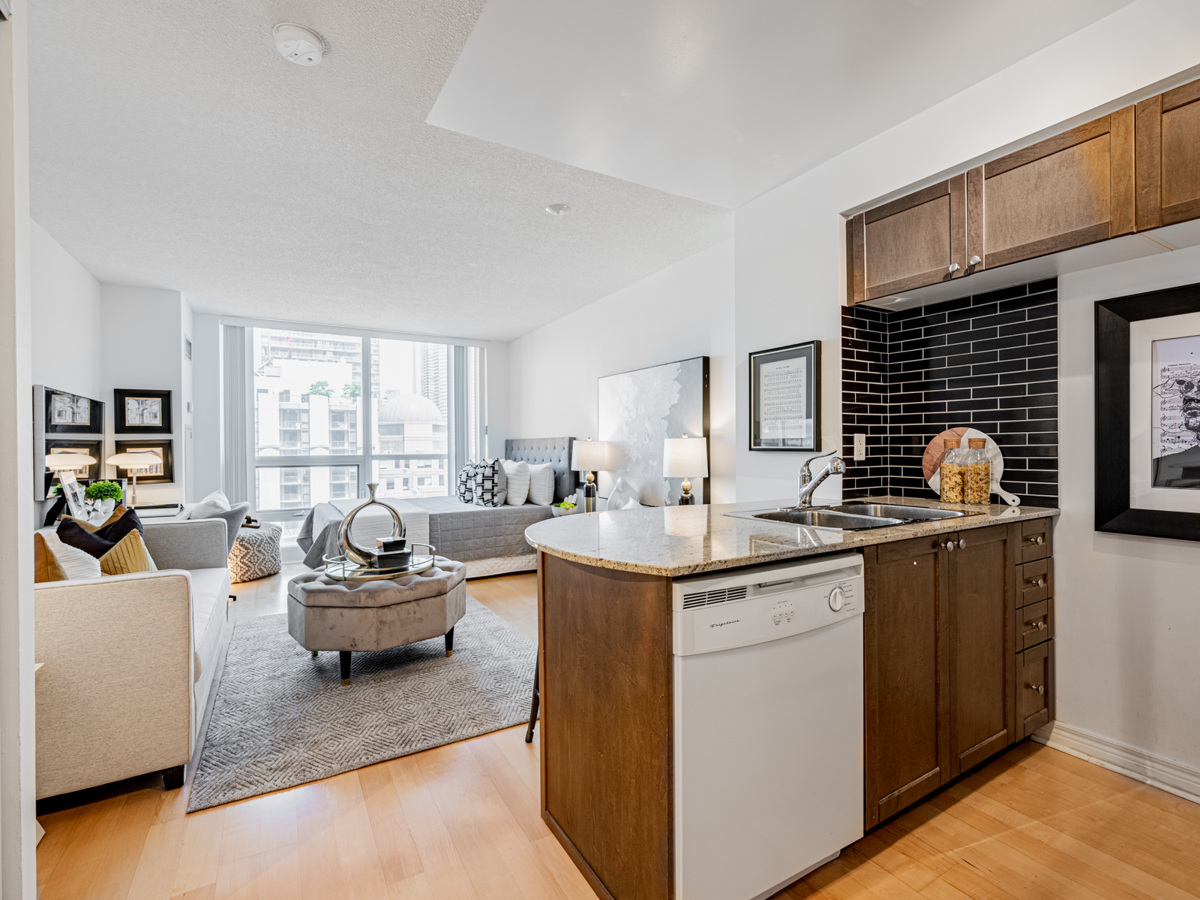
x,y
977,473
951,472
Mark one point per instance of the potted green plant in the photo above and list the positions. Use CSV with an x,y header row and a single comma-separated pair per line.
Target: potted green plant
x,y
104,490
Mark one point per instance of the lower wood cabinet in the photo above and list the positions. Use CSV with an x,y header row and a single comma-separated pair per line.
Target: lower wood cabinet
x,y
946,659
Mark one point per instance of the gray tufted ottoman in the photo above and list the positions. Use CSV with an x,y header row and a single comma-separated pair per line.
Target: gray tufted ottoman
x,y
324,614
255,553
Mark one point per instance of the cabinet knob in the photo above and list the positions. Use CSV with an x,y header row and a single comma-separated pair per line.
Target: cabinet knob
x,y
954,267
974,261
949,545
1037,582
1037,539
1041,689
1040,625
962,543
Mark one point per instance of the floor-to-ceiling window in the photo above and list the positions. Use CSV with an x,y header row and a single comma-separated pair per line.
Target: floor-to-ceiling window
x,y
333,412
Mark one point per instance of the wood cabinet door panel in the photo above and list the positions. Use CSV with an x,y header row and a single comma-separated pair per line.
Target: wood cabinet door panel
x,y
981,600
1069,190
1035,540
1035,688
906,712
1168,157
908,243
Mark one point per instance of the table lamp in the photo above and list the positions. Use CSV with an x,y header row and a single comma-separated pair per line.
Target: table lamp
x,y
683,458
591,457
133,462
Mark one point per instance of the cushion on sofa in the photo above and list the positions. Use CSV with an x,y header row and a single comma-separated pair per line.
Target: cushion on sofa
x,y
45,565
127,557
211,506
233,516
74,562
99,542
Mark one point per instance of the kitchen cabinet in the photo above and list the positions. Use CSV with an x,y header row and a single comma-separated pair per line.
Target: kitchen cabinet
x,y
1168,157
941,659
908,243
1068,190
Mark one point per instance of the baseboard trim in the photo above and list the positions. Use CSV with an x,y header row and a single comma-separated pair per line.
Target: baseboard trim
x,y
1150,768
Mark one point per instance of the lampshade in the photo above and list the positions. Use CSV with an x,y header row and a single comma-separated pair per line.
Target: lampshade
x,y
66,462
590,456
685,458
135,459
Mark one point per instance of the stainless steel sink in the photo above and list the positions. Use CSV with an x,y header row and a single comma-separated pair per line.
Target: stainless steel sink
x,y
826,518
897,511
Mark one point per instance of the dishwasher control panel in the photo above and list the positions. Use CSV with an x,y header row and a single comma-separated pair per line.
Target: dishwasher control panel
x,y
766,603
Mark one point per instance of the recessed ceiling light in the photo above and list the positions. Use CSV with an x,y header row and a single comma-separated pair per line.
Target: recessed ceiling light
x,y
558,209
298,44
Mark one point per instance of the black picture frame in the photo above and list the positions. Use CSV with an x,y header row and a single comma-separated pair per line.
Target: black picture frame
x,y
164,448
121,421
94,424
1113,442
810,351
93,448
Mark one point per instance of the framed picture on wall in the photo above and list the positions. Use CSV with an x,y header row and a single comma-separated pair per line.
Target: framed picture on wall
x,y
1148,414
160,474
142,411
66,413
785,398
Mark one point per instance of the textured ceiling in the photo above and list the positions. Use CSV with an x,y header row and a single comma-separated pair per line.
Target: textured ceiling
x,y
171,146
722,100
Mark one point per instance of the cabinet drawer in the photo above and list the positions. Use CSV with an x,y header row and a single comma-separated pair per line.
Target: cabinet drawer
x,y
1035,539
1035,688
1034,624
1037,581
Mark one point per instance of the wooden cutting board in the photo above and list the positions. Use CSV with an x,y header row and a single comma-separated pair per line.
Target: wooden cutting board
x,y
935,452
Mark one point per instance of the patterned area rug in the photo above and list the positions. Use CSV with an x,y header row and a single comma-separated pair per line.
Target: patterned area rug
x,y
282,718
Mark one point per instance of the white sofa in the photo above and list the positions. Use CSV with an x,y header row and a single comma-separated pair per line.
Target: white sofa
x,y
129,662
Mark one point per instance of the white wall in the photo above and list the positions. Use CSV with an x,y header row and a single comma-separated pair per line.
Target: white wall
x,y
17,777
683,311
66,319
206,471
143,348
1128,621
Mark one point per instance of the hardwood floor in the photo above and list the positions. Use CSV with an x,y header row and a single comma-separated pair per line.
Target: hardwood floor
x,y
462,821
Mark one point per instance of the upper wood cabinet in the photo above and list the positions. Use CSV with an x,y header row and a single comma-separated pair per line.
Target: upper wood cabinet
x,y
1072,189
1168,157
909,243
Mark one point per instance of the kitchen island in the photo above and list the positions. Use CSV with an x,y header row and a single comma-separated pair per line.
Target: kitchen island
x,y
605,620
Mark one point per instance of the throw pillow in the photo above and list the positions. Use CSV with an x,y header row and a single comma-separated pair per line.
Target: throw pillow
x,y
211,506
517,474
98,543
541,484
466,483
490,486
45,566
127,556
77,564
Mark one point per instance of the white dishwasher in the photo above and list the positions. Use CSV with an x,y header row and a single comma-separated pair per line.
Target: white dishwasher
x,y
768,724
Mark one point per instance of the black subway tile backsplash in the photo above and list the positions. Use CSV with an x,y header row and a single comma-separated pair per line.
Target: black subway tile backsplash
x,y
989,361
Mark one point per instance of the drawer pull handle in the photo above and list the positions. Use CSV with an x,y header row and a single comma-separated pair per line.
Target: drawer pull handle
x,y
1037,687
1037,539
1038,582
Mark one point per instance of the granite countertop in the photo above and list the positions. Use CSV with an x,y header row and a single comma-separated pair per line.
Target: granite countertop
x,y
684,540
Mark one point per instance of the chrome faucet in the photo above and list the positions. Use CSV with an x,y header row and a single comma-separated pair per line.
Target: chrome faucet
x,y
806,484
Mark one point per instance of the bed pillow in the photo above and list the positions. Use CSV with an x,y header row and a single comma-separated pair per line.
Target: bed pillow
x,y
490,485
466,483
517,474
541,484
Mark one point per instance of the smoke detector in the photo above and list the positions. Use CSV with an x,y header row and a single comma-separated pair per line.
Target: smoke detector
x,y
299,45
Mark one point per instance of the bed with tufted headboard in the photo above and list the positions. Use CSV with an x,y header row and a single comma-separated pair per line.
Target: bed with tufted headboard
x,y
490,540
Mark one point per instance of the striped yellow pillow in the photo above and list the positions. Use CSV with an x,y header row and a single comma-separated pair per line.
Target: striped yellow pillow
x,y
127,556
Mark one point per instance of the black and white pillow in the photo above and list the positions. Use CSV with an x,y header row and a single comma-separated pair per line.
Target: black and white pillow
x,y
490,486
466,483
